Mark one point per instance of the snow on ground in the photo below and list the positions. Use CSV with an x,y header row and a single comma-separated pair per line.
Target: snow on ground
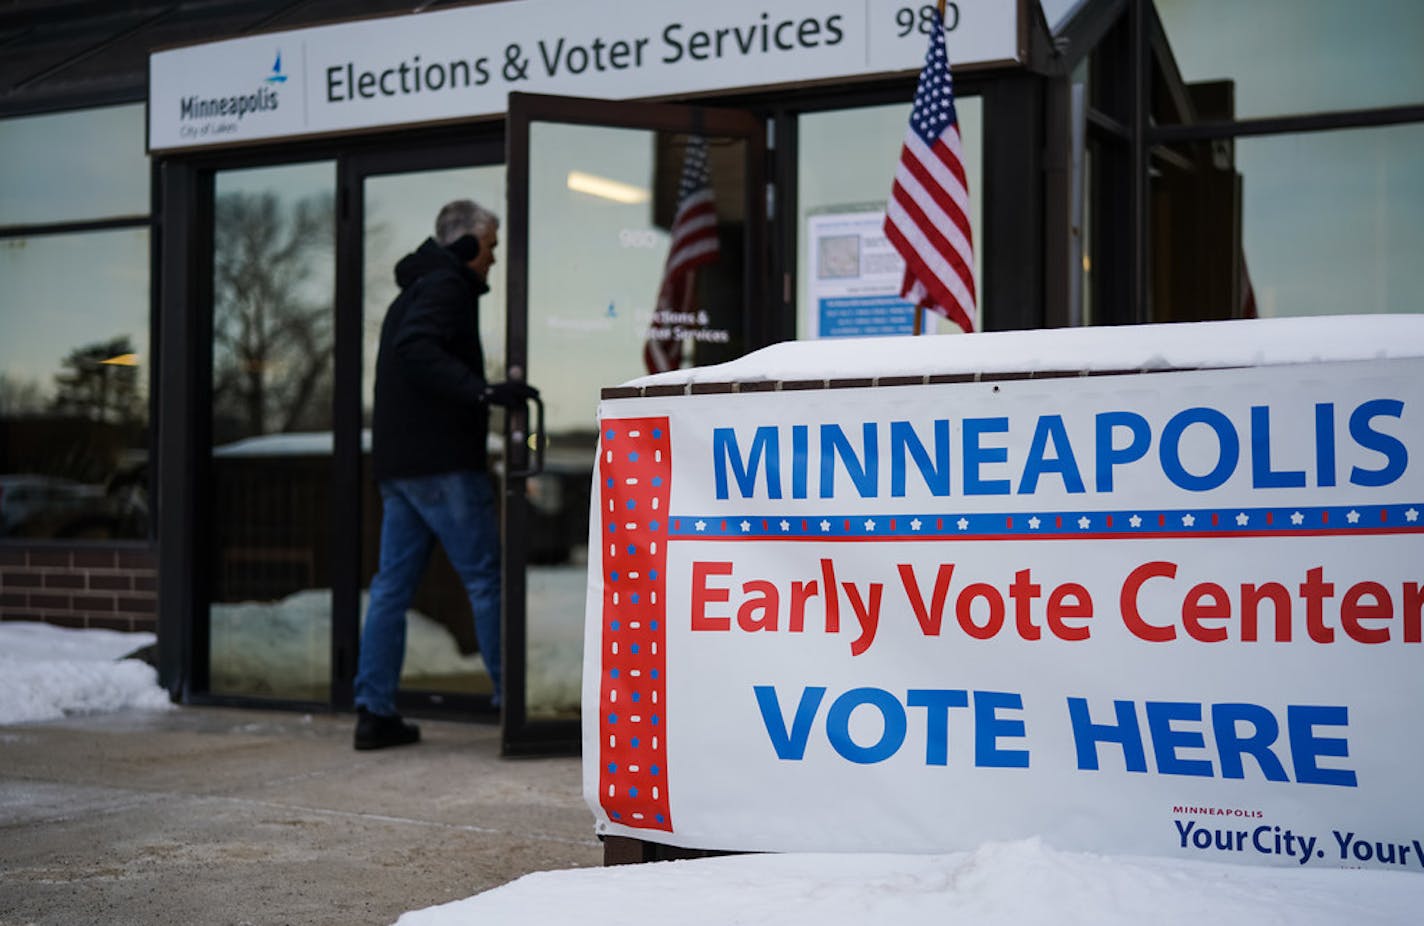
x,y
1022,883
48,672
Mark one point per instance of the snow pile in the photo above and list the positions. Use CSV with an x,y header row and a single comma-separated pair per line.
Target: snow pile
x,y
1001,884
48,672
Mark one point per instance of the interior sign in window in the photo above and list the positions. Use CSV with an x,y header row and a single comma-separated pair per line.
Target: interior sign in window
x,y
853,277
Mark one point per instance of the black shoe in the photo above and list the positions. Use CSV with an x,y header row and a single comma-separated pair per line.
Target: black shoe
x,y
377,731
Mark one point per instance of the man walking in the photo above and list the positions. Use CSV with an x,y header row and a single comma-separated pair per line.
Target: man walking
x,y
429,455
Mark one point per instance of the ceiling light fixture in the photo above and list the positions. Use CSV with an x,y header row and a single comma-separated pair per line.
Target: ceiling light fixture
x,y
604,188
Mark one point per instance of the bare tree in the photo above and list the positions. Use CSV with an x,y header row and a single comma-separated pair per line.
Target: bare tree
x,y
272,312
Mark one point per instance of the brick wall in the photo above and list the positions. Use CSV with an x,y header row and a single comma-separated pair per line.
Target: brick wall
x,y
113,587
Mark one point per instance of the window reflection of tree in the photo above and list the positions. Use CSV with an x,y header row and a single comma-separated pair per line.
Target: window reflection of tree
x,y
272,314
100,382
75,458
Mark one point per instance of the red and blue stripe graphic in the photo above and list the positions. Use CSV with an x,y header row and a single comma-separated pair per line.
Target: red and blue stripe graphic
x,y
635,470
1334,520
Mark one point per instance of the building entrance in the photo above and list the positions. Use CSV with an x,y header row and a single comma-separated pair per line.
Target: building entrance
x,y
633,241
301,271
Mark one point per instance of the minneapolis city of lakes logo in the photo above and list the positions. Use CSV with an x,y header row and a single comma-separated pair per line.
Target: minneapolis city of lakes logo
x,y
277,77
236,106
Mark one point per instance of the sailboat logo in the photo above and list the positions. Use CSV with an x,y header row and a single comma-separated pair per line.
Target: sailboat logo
x,y
277,77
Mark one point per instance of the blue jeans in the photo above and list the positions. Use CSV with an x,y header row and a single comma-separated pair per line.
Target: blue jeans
x,y
458,509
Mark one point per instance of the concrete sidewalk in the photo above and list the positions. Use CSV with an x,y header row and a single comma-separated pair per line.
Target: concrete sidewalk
x,y
201,816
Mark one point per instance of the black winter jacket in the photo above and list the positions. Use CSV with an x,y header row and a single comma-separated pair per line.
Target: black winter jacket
x,y
431,415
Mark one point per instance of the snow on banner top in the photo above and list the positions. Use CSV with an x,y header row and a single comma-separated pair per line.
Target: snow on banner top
x,y
1197,345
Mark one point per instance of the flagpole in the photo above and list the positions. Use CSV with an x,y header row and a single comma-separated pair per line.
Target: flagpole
x,y
920,309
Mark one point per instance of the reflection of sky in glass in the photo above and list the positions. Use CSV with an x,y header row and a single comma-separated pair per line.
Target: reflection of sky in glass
x,y
61,292
291,183
73,166
1295,56
1331,221
400,214
848,158
1056,11
315,287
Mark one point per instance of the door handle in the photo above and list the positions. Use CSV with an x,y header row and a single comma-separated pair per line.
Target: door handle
x,y
536,459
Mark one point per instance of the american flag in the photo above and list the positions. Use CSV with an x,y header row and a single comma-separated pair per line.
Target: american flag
x,y
927,217
694,243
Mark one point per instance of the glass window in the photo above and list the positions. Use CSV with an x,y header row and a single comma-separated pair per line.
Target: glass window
x,y
273,298
1234,238
1298,56
73,166
1351,244
849,277
74,361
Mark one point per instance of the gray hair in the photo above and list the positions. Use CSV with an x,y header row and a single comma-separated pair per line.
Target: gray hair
x,y
463,217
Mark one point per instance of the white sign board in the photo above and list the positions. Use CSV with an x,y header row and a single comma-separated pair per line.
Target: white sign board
x,y
1172,614
459,63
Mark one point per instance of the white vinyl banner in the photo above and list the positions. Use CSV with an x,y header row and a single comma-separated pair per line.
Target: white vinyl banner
x,y
1170,614
463,62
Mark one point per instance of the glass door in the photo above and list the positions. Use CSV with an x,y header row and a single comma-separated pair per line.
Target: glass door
x,y
595,189
273,273
393,199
